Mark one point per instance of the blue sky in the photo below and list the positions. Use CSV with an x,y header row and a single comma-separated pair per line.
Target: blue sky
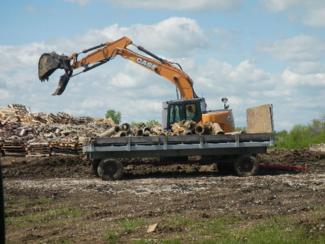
x,y
254,52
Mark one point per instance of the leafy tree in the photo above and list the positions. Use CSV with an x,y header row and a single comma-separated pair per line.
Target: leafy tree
x,y
302,136
114,115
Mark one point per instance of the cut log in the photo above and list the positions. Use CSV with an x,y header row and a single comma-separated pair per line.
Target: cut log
x,y
110,132
125,127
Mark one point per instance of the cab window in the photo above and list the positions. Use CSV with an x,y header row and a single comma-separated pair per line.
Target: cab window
x,y
175,113
190,112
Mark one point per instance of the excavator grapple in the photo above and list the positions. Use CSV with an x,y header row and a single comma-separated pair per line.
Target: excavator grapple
x,y
48,63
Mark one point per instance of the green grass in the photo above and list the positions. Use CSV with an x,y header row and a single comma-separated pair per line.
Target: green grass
x,y
110,236
124,226
178,221
25,202
44,217
301,136
277,230
232,229
129,225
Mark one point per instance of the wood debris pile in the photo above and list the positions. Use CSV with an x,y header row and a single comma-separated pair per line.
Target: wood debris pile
x,y
44,134
65,147
38,149
13,147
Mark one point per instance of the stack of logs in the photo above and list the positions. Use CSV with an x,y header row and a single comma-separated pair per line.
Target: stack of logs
x,y
191,127
179,128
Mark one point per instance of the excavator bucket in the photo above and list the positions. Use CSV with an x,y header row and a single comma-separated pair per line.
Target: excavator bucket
x,y
48,63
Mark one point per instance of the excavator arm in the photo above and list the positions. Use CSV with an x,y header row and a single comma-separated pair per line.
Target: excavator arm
x,y
102,53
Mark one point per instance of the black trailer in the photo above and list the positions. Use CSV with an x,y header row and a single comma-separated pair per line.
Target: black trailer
x,y
236,152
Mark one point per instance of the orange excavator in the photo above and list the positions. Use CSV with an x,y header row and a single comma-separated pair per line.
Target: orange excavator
x,y
188,107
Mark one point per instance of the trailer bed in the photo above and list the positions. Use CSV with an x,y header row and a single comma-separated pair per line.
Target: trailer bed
x,y
188,145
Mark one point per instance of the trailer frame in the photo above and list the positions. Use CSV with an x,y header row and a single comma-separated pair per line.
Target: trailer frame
x,y
236,145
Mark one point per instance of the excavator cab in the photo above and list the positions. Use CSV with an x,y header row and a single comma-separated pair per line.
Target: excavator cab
x,y
196,109
178,110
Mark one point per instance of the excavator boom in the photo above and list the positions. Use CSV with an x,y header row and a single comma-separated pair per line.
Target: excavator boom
x,y
100,54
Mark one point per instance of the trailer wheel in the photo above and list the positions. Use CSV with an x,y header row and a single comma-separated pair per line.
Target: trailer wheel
x,y
246,165
94,166
109,169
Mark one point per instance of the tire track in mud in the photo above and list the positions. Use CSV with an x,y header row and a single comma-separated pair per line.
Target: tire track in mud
x,y
313,182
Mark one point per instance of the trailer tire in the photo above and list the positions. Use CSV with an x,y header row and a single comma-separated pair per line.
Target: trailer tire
x,y
246,165
109,169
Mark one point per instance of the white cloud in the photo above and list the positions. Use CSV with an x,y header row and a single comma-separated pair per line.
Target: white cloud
x,y
173,37
297,48
281,5
20,55
194,5
4,94
122,80
308,67
292,78
89,103
309,12
180,5
247,71
316,17
222,79
79,2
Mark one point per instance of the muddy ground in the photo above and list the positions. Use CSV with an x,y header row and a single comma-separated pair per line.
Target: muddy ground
x,y
57,200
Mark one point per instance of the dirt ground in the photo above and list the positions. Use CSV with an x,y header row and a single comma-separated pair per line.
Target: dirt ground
x,y
57,200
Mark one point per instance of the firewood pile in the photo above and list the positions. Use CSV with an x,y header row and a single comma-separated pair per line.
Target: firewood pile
x,y
180,128
192,128
44,134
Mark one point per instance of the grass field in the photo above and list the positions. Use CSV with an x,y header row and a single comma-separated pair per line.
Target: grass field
x,y
174,228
